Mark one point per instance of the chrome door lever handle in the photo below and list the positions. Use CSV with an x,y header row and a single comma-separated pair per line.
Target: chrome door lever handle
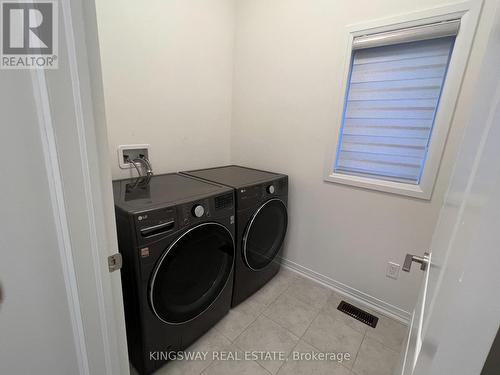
x,y
410,258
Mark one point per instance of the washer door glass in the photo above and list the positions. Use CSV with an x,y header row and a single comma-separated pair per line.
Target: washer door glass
x,y
192,273
265,234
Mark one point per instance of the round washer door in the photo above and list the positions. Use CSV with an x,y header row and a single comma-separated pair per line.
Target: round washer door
x,y
265,234
191,273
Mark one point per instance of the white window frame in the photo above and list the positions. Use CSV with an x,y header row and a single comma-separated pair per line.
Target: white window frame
x,y
468,14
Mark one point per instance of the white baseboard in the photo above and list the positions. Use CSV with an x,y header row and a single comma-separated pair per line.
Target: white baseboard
x,y
354,294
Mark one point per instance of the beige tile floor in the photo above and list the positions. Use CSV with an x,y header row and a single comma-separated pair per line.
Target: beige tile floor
x,y
292,314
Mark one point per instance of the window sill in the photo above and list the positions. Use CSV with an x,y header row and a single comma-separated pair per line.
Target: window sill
x,y
400,188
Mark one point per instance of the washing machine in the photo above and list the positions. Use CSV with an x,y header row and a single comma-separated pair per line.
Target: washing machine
x,y
176,236
261,222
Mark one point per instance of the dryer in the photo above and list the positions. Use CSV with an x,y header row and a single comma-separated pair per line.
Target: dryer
x,y
176,237
261,223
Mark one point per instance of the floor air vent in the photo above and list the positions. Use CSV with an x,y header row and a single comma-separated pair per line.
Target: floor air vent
x,y
358,314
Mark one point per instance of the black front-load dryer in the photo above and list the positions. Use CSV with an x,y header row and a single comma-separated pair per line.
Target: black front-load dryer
x,y
261,223
176,236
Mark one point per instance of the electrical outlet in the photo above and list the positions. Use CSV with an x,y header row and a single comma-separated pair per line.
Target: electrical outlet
x,y
393,270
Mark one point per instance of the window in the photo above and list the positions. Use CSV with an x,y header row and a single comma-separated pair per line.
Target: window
x,y
393,95
397,109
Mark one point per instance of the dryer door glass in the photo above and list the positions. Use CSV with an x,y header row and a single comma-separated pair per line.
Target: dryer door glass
x,y
192,273
265,234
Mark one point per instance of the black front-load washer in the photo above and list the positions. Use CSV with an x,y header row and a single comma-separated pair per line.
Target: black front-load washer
x,y
176,237
261,223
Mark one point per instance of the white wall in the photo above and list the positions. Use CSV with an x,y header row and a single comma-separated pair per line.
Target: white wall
x,y
289,59
167,69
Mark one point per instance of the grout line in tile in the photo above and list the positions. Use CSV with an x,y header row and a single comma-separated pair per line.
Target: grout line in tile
x,y
384,345
379,341
222,333
309,325
315,316
253,320
242,332
206,368
243,350
356,357
246,329
280,294
283,364
269,372
262,312
286,329
300,337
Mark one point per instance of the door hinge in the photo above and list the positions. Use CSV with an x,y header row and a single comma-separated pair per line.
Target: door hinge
x,y
115,262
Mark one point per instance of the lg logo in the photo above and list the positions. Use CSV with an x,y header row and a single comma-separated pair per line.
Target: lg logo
x,y
29,34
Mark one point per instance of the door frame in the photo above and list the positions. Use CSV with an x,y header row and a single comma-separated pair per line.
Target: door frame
x,y
85,222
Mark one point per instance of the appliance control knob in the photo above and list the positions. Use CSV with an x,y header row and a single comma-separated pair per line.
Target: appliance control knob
x,y
270,189
198,210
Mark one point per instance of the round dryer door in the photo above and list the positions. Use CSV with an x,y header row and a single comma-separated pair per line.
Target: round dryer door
x,y
265,234
191,273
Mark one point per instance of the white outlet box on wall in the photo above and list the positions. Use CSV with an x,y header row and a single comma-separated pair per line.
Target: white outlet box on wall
x,y
393,270
132,151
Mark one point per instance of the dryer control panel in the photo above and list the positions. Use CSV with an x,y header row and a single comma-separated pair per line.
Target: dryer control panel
x,y
253,195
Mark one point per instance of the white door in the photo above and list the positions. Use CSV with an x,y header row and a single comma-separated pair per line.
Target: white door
x,y
35,317
62,310
458,311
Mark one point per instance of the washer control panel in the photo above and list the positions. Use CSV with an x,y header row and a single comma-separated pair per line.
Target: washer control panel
x,y
198,210
195,211
152,225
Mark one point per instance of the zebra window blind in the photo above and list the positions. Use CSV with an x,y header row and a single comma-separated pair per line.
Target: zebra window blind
x,y
394,87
